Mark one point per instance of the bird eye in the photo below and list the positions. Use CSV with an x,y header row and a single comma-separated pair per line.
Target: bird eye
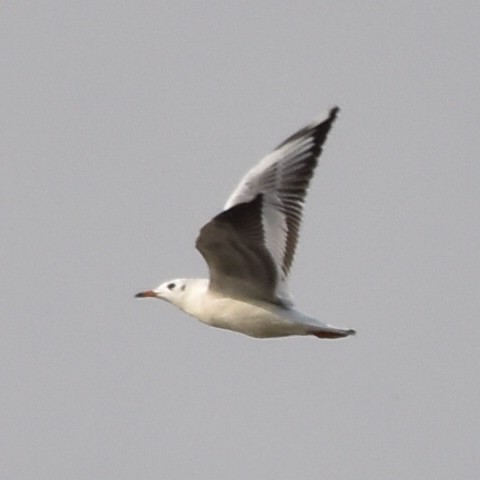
x,y
171,286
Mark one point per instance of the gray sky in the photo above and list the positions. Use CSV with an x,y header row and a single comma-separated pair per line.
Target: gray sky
x,y
125,125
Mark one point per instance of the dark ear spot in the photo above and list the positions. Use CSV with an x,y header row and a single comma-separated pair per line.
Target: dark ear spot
x,y
171,286
183,287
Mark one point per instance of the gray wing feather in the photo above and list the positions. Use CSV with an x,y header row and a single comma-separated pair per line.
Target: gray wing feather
x,y
233,246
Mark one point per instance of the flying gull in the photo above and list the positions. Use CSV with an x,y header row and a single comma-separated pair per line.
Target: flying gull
x,y
249,247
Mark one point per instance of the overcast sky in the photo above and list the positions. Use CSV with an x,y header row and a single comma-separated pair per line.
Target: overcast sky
x,y
125,126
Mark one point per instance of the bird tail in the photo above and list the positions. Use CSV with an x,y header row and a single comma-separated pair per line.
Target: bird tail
x,y
332,333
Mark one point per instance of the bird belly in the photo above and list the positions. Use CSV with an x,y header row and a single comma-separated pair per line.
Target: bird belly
x,y
255,320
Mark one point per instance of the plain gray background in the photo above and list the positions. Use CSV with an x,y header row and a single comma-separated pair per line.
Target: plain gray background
x,y
125,126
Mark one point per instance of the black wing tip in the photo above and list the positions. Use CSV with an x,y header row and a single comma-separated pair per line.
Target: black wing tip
x,y
323,121
334,112
332,115
318,128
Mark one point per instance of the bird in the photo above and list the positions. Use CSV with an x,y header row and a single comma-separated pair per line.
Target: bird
x,y
250,245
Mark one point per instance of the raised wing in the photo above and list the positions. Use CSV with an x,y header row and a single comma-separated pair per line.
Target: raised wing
x,y
273,192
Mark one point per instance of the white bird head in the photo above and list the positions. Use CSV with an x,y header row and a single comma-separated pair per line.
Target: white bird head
x,y
172,291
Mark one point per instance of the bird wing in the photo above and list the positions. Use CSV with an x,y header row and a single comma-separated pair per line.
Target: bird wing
x,y
250,246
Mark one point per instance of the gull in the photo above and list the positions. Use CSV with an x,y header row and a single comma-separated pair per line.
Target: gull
x,y
249,247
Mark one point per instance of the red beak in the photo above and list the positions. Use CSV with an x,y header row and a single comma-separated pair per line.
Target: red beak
x,y
148,293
